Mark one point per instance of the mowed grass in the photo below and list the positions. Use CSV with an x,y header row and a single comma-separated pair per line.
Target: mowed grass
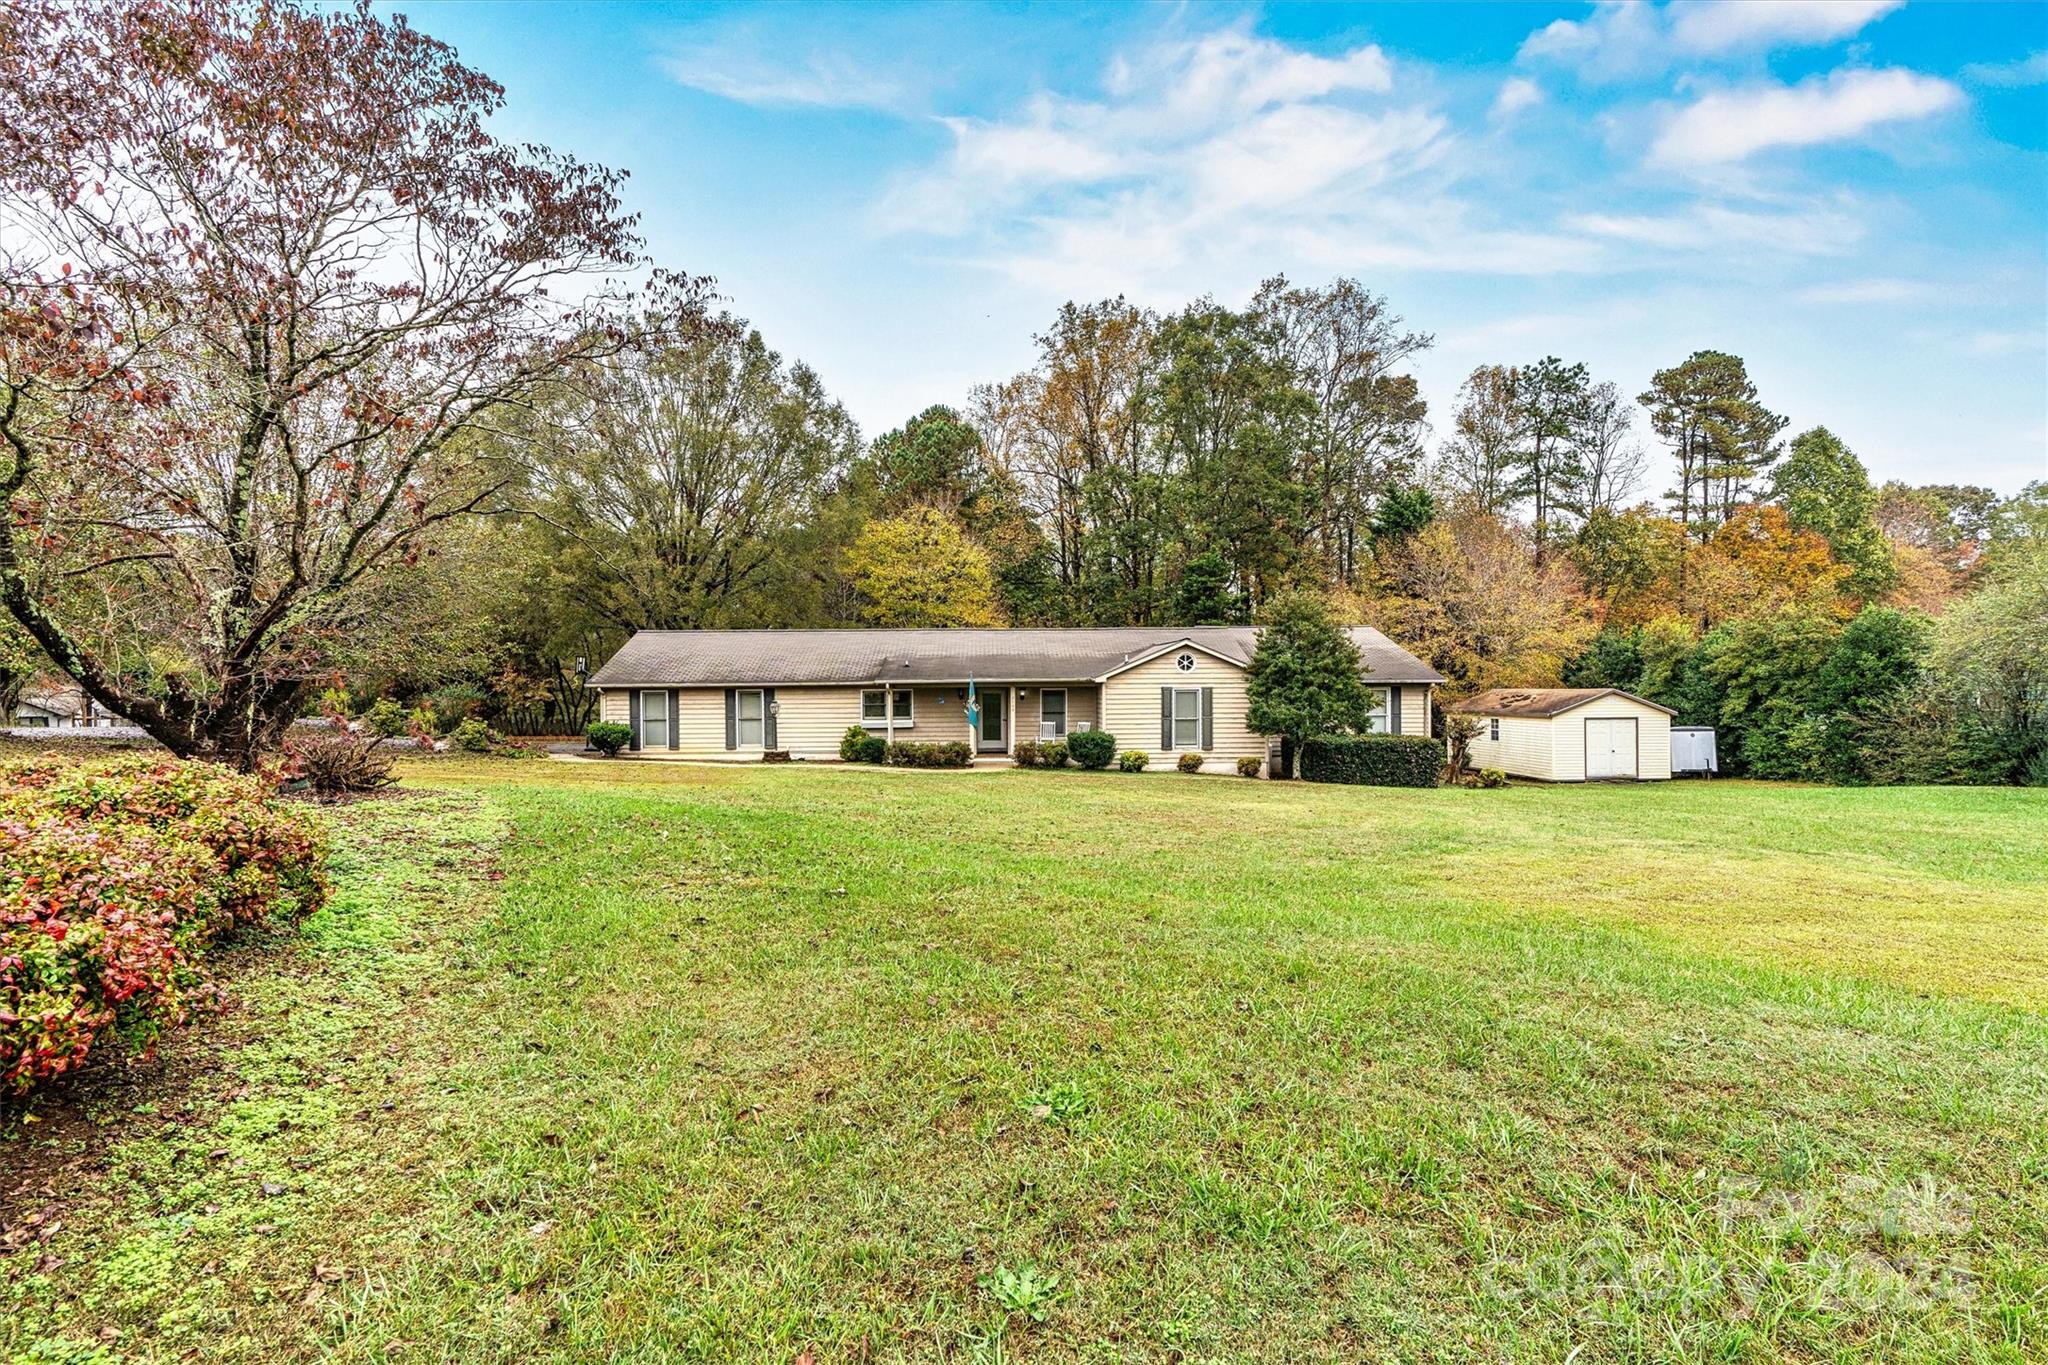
x,y
745,1064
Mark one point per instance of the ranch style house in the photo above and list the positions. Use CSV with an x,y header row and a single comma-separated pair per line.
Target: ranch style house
x,y
739,694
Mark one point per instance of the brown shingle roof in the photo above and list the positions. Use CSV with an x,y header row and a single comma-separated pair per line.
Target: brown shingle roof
x,y
701,658
1541,702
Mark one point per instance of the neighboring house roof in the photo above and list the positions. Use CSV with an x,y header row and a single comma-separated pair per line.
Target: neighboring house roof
x,y
1540,703
704,658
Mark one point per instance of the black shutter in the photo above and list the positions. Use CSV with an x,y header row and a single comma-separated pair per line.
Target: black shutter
x,y
1393,710
732,719
673,737
768,719
1166,718
1208,718
633,718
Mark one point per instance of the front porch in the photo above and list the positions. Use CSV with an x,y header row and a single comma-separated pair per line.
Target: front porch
x,y
1004,713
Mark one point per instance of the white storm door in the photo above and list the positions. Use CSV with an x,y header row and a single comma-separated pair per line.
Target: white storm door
x,y
1610,749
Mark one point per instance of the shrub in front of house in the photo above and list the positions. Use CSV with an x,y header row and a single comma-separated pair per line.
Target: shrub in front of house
x,y
113,883
1248,765
608,737
1052,754
1132,760
1189,762
1092,748
1027,754
952,754
1486,778
1373,760
861,745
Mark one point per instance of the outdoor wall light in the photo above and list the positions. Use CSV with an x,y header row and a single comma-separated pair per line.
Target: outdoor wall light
x,y
775,708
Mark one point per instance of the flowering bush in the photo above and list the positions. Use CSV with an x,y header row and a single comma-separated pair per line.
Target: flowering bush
x,y
113,881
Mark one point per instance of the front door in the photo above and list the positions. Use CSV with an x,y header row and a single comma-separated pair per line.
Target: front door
x,y
1610,749
995,733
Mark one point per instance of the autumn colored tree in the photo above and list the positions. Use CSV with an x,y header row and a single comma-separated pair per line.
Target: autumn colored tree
x,y
1706,409
267,270
1757,563
921,569
1467,594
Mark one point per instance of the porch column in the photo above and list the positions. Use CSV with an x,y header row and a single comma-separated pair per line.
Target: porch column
x,y
888,714
1011,747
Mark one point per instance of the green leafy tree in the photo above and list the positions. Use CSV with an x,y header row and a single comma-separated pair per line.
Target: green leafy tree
x,y
1824,488
1707,410
1879,654
1478,462
1228,419
921,569
1614,659
1552,403
1203,597
1404,509
1768,670
1304,678
934,460
1990,661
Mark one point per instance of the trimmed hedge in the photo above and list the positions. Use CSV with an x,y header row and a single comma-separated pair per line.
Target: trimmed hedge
x,y
858,745
1248,765
114,881
608,737
1373,760
1092,748
1132,760
1190,761
952,754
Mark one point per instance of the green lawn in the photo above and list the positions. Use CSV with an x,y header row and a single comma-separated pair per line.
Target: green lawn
x,y
646,1063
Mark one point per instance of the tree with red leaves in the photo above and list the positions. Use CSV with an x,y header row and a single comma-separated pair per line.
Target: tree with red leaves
x,y
264,277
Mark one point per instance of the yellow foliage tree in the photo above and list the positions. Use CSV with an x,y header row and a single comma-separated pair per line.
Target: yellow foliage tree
x,y
1467,594
1757,563
921,569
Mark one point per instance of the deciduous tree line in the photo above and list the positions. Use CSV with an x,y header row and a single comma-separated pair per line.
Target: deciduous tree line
x,y
307,379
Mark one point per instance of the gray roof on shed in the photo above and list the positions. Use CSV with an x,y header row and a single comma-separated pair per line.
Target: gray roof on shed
x,y
704,658
1541,703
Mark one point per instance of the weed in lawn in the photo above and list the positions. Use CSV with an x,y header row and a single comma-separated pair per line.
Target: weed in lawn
x,y
1027,1289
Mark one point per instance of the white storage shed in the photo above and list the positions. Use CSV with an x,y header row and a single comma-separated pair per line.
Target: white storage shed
x,y
1569,734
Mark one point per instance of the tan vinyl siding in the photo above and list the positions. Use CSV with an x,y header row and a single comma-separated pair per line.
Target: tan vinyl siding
x,y
616,707
1130,709
700,724
1414,710
810,721
1524,748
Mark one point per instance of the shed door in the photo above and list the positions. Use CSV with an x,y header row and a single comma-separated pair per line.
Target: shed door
x,y
1610,749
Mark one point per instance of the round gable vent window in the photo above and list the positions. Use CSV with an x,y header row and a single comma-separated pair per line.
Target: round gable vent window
x,y
1185,663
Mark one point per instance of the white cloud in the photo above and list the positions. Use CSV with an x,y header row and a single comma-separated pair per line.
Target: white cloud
x,y
1730,125
1199,156
1809,231
1735,25
2028,70
1516,94
821,80
1627,39
1865,291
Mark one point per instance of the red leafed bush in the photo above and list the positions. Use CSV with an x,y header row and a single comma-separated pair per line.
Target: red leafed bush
x,y
113,882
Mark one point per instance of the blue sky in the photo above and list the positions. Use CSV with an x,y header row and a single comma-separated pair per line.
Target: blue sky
x,y
1852,194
